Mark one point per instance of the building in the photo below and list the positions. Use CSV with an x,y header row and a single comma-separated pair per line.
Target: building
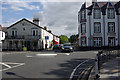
x,y
2,37
25,33
98,24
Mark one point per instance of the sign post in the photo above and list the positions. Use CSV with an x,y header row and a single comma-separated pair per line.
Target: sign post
x,y
2,37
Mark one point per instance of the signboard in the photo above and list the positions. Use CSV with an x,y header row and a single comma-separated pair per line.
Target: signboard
x,y
46,37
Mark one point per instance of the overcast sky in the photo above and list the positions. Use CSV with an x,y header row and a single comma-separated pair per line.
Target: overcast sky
x,y
58,15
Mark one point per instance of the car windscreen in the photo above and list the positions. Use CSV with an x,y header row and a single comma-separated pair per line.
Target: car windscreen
x,y
67,45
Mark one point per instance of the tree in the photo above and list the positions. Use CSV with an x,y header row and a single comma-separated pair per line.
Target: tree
x,y
63,39
73,38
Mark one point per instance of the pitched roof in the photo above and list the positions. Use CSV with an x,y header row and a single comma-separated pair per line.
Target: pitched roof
x,y
21,21
117,6
4,29
83,6
31,23
103,6
0,28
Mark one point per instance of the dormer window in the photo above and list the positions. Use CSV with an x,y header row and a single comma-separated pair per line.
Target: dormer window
x,y
83,15
97,13
111,13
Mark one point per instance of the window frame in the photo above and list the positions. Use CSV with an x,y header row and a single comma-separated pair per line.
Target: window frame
x,y
109,31
83,40
95,31
109,15
82,28
95,13
98,40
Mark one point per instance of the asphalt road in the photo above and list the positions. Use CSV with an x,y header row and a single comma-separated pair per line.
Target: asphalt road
x,y
46,64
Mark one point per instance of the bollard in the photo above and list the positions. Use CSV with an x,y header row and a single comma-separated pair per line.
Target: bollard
x,y
96,68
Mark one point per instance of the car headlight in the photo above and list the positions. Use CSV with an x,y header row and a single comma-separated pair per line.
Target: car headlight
x,y
71,48
62,48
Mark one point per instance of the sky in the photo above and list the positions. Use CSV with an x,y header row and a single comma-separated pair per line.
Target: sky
x,y
60,16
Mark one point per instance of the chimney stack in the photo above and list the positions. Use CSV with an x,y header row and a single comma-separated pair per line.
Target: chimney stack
x,y
36,21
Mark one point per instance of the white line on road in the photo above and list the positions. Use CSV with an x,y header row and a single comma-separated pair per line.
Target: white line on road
x,y
9,67
72,74
46,54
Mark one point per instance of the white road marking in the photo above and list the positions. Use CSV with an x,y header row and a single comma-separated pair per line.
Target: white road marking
x,y
10,67
72,74
5,65
46,54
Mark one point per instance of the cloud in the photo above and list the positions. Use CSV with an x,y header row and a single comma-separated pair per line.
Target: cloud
x,y
60,17
21,5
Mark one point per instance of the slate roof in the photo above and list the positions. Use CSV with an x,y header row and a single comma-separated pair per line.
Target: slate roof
x,y
31,23
0,28
103,6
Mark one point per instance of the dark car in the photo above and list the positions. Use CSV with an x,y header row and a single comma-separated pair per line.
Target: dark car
x,y
67,48
57,47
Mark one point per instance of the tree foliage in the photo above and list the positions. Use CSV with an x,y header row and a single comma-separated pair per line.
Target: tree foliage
x,y
63,39
73,38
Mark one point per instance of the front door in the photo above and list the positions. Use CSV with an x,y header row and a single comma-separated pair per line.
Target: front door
x,y
111,41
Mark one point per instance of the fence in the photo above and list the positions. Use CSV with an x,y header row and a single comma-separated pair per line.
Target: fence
x,y
104,56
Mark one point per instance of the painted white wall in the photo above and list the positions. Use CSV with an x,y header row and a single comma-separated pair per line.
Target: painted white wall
x,y
2,35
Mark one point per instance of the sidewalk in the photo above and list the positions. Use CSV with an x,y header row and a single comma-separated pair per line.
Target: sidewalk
x,y
109,70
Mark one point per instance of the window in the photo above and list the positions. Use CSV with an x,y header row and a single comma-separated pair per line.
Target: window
x,y
83,15
23,29
97,14
83,28
2,34
111,27
97,42
111,13
111,41
35,32
97,27
83,41
14,33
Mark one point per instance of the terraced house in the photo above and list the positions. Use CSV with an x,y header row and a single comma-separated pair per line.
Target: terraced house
x,y
25,33
98,24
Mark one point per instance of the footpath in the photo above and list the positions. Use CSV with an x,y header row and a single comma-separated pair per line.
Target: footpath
x,y
109,70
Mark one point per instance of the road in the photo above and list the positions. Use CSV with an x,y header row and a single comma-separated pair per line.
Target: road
x,y
49,65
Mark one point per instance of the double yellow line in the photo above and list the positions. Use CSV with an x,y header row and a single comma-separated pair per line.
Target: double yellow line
x,y
82,76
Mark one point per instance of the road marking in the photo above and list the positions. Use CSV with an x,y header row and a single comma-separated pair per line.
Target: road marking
x,y
46,54
10,67
64,53
71,76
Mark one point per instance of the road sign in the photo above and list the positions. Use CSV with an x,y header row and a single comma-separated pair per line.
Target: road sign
x,y
46,37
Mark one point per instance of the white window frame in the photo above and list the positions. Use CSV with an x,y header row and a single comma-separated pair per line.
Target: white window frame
x,y
111,27
97,13
83,28
111,13
97,41
36,32
15,32
83,41
97,27
83,15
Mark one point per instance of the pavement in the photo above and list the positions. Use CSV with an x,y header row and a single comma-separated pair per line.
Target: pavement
x,y
109,70
46,64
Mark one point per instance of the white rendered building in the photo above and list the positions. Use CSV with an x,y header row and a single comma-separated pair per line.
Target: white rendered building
x,y
25,33
2,37
98,24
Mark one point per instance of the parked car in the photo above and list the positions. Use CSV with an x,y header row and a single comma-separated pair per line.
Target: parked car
x,y
57,47
67,48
